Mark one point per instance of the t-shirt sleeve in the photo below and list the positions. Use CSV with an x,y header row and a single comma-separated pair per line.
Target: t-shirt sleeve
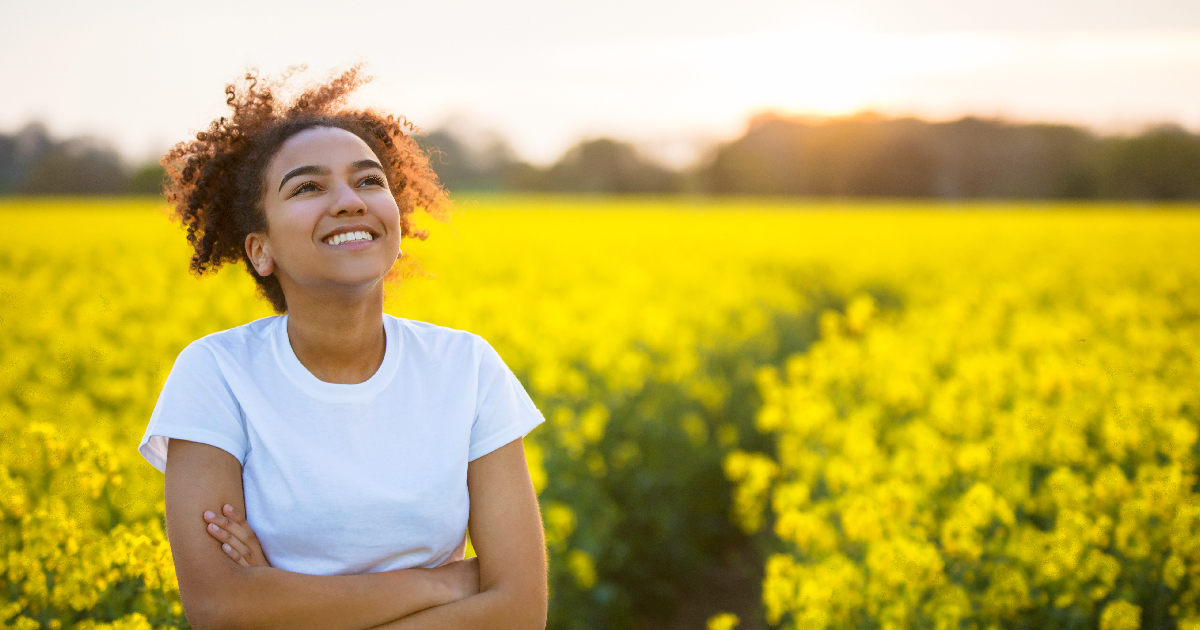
x,y
504,411
196,404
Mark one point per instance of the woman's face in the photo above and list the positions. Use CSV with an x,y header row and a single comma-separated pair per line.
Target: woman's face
x,y
332,221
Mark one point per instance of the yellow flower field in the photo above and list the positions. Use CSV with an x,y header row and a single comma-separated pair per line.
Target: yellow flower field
x,y
968,416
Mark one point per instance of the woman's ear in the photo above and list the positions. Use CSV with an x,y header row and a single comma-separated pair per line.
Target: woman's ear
x,y
259,252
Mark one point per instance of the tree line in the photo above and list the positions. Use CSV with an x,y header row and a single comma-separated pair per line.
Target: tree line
x,y
863,156
32,162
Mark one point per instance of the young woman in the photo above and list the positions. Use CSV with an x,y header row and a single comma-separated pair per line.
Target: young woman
x,y
324,465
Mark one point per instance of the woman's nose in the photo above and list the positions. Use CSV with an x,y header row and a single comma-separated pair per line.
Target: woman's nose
x,y
348,202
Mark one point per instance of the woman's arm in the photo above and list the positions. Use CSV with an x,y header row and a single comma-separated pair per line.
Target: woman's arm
x,y
240,543
221,595
506,531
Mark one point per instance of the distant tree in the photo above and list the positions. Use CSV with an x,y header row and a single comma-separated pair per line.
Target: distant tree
x,y
9,164
899,159
1163,163
449,159
19,151
76,167
770,159
460,166
995,159
32,162
605,165
147,179
525,176
601,165
875,157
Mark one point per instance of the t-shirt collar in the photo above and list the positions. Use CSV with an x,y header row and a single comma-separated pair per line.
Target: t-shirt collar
x,y
337,392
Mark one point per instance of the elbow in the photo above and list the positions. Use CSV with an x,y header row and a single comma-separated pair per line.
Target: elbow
x,y
525,618
532,620
526,610
215,615
221,609
206,614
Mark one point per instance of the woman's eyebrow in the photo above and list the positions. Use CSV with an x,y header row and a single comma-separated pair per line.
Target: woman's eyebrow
x,y
303,170
362,164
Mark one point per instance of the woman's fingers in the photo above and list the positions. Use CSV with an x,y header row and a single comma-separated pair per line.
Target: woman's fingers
x,y
227,532
234,555
227,538
239,527
232,513
244,534
231,527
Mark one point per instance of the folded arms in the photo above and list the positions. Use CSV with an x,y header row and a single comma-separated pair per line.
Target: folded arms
x,y
505,587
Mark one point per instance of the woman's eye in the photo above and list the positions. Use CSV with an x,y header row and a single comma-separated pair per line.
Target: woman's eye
x,y
305,187
372,179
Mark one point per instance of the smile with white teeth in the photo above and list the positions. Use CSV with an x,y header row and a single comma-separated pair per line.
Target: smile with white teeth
x,y
347,237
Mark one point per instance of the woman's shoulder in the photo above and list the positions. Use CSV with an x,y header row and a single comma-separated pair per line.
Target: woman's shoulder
x,y
436,338
257,329
428,331
237,341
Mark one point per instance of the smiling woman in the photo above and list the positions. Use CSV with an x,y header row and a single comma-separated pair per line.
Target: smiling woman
x,y
323,465
226,168
339,189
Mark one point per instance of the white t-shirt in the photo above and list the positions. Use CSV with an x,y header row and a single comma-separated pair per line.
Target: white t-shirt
x,y
339,478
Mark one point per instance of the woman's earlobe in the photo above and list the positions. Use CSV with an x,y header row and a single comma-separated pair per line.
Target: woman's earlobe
x,y
259,254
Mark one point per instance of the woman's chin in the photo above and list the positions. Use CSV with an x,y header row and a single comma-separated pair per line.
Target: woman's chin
x,y
351,284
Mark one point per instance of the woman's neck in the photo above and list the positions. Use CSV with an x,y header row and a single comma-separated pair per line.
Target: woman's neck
x,y
338,340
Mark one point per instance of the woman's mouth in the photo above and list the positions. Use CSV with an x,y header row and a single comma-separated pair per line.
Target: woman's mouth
x,y
350,238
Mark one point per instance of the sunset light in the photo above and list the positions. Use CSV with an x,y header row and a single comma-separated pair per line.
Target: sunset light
x,y
600,315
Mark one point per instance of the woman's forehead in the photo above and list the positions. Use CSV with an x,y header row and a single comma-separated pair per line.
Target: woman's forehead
x,y
321,146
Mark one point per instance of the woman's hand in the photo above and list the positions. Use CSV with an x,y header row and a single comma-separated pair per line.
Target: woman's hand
x,y
238,541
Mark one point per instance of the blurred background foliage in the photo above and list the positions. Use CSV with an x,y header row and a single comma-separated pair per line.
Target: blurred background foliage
x,y
862,156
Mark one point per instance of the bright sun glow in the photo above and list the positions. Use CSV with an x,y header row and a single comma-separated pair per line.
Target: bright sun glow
x,y
833,70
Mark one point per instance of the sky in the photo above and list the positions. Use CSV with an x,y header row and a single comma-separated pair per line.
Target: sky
x,y
673,76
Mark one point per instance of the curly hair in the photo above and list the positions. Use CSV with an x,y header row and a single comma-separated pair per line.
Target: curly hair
x,y
216,183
